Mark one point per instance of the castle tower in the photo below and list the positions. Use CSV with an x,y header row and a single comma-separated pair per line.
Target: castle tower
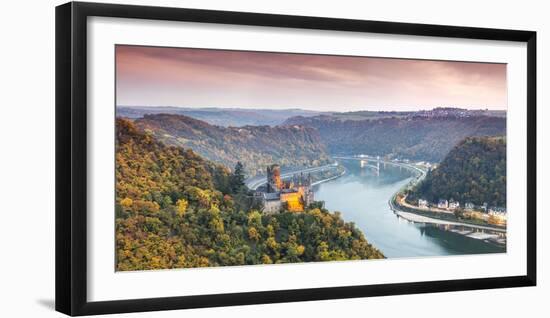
x,y
274,178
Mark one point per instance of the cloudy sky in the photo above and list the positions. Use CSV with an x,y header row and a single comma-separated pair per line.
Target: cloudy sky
x,y
154,76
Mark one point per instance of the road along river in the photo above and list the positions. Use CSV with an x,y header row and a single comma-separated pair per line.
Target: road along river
x,y
362,195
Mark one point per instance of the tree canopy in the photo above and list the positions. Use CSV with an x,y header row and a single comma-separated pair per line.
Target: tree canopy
x,y
175,210
474,171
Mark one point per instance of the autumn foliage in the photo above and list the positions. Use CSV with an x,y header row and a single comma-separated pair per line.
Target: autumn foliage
x,y
176,210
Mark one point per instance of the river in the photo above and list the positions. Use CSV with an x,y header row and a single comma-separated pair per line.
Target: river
x,y
362,197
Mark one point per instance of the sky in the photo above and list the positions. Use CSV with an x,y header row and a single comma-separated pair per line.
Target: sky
x,y
158,76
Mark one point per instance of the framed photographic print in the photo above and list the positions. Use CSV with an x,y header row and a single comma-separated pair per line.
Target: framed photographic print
x,y
210,158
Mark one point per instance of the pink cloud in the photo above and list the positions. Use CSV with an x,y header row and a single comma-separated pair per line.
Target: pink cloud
x,y
199,77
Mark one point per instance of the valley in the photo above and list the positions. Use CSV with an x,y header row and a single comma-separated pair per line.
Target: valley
x,y
321,145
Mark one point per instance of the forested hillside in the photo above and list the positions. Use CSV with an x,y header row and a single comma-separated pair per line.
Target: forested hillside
x,y
474,171
175,209
415,138
255,146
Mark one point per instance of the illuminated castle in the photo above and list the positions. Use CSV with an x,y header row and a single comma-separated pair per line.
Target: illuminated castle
x,y
274,182
293,195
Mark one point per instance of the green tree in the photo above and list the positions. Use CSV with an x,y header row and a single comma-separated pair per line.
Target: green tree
x,y
237,179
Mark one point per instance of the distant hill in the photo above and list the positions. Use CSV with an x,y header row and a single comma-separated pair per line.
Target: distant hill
x,y
174,210
255,146
226,117
474,171
414,136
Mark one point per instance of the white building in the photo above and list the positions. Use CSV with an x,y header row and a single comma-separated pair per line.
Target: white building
x,y
499,213
496,211
443,204
453,205
422,203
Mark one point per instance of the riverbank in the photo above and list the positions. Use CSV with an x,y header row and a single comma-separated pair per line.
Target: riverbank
x,y
431,217
329,179
438,217
471,231
416,218
487,233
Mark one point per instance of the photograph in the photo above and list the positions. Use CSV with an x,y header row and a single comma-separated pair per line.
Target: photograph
x,y
247,159
234,158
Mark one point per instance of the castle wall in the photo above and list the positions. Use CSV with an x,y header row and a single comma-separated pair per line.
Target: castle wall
x,y
293,201
272,206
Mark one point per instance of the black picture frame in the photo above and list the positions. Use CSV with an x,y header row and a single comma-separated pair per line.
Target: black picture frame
x,y
71,157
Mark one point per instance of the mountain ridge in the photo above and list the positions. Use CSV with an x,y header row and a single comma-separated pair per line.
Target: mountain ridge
x,y
255,146
411,137
226,117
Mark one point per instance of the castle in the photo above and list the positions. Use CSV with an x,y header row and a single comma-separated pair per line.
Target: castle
x,y
293,195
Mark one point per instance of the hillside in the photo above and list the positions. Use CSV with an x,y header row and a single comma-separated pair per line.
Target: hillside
x,y
411,137
226,117
255,146
176,210
474,171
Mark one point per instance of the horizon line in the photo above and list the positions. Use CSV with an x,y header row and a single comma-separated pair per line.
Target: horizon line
x,y
310,110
